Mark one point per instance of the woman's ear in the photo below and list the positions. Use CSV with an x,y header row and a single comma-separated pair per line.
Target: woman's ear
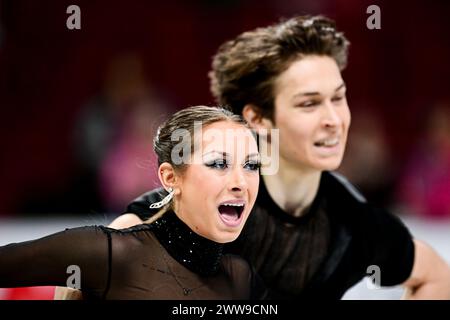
x,y
168,177
253,115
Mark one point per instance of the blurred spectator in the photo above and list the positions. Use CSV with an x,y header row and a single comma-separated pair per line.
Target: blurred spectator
x,y
367,157
130,166
114,137
424,188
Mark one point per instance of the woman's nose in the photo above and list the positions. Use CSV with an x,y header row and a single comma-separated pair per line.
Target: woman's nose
x,y
238,183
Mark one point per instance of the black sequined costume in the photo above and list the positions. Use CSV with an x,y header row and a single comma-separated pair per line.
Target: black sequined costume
x,y
163,260
322,253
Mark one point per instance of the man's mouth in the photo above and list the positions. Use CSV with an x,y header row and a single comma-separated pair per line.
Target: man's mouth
x,y
329,143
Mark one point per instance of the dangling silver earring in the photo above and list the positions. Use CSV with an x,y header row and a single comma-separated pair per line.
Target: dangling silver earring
x,y
164,201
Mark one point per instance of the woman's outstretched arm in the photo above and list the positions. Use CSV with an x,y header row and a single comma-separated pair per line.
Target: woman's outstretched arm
x,y
77,257
124,221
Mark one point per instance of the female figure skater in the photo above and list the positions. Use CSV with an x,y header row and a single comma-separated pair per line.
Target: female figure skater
x,y
311,234
177,254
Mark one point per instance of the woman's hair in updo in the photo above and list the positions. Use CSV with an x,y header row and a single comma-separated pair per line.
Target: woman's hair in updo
x,y
186,119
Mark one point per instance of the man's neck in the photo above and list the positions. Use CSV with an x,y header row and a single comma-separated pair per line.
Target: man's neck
x,y
292,188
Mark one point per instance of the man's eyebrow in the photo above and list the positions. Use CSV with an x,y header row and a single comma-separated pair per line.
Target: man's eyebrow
x,y
342,85
316,93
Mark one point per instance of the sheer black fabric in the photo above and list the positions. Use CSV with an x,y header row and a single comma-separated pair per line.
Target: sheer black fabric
x,y
148,261
323,253
286,251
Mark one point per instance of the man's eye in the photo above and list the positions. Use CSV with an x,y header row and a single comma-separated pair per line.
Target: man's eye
x,y
338,98
308,104
217,164
252,165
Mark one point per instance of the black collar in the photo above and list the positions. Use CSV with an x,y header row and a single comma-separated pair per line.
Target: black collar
x,y
193,251
272,207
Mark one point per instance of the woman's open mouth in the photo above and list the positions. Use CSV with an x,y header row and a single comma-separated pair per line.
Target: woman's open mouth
x,y
230,212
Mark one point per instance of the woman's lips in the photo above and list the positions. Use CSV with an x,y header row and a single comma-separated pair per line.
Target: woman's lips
x,y
230,212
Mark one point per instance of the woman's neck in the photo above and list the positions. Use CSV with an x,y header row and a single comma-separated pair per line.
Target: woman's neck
x,y
190,249
292,188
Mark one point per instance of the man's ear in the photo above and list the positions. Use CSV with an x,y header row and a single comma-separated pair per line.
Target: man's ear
x,y
168,177
253,115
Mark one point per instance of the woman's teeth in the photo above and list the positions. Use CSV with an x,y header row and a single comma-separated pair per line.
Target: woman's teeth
x,y
231,210
233,204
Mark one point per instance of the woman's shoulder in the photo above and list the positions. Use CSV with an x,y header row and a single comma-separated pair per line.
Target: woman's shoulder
x,y
131,243
125,220
136,232
131,239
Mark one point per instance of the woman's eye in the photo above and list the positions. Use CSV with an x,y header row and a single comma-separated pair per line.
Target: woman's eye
x,y
217,164
252,165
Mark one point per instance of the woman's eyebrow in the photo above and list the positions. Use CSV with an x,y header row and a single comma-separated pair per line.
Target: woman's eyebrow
x,y
222,153
252,155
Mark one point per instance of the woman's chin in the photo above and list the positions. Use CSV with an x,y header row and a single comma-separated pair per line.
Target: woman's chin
x,y
226,237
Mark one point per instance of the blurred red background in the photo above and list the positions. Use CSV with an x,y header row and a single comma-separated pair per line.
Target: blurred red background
x,y
49,72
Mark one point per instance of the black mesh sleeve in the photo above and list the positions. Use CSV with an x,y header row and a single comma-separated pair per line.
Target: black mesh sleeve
x,y
47,261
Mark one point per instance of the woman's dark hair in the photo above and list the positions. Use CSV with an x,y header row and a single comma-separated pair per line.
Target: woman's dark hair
x,y
244,69
186,119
